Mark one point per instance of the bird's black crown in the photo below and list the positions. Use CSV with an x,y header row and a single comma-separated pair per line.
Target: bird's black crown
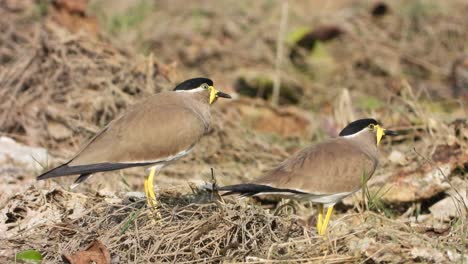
x,y
193,83
357,126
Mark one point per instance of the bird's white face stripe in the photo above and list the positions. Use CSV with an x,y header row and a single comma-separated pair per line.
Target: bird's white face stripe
x,y
199,89
355,134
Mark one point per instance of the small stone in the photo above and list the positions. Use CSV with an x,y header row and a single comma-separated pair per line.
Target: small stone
x,y
409,185
138,195
451,206
456,257
428,254
30,158
397,157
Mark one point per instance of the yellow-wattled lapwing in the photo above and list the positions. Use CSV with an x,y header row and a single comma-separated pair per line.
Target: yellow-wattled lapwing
x,y
324,173
159,130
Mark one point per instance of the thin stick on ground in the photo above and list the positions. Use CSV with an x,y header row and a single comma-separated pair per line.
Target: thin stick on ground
x,y
279,53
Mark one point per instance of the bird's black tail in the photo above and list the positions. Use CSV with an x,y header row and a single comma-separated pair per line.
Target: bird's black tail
x,y
251,189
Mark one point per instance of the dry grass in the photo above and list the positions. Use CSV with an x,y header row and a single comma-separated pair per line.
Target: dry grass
x,y
60,88
211,232
54,78
419,41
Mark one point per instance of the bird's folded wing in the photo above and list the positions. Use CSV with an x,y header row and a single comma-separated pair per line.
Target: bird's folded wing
x,y
145,134
333,166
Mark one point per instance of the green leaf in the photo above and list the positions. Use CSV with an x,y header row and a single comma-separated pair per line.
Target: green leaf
x,y
297,34
320,52
29,256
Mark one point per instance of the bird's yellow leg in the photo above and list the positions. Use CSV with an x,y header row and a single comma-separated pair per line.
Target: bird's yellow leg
x,y
150,196
146,190
320,218
327,219
150,185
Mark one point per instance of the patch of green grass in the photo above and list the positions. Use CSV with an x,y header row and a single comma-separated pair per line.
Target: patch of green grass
x,y
200,12
369,103
373,200
130,18
40,10
125,21
420,9
28,256
130,220
320,52
321,63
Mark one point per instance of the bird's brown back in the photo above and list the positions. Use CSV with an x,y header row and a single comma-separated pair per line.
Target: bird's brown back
x,y
158,127
334,166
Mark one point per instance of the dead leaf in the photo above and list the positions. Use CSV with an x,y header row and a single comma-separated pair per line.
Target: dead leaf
x,y
77,6
95,253
71,14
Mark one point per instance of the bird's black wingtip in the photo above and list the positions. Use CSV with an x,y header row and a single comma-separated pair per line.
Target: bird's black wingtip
x,y
55,172
65,170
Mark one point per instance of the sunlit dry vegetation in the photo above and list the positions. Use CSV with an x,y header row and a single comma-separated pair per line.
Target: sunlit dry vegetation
x,y
67,68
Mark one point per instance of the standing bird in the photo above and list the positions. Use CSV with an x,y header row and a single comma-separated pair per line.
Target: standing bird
x,y
156,132
324,173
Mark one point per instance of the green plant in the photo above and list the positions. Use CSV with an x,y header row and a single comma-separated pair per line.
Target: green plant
x,y
124,21
131,219
29,256
373,200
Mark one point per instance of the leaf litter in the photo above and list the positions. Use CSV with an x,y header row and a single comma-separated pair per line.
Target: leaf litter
x,y
49,103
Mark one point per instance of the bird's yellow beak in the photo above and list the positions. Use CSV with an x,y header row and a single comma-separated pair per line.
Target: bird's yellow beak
x,y
214,94
380,132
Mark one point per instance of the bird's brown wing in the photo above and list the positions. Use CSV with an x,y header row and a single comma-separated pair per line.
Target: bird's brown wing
x,y
333,166
158,129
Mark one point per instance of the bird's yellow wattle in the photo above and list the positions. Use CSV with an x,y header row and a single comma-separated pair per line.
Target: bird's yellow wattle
x,y
380,133
213,92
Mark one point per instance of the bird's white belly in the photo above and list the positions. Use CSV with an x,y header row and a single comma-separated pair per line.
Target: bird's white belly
x,y
327,199
166,161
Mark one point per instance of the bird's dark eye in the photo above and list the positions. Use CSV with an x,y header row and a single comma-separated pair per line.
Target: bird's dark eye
x,y
372,126
204,86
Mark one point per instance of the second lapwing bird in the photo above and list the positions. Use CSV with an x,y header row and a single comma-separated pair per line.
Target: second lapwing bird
x,y
154,133
324,173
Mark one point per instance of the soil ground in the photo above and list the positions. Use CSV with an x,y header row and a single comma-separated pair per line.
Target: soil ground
x,y
67,68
